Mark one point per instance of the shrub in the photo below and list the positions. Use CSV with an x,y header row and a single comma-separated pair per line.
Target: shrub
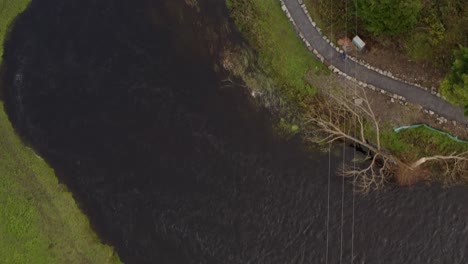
x,y
455,85
388,16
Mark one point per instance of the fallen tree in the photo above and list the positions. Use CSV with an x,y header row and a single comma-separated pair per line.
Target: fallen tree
x,y
350,118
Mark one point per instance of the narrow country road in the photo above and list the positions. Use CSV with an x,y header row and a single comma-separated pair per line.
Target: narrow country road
x,y
412,93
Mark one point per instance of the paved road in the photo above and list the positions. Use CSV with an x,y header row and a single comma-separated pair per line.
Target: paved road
x,y
411,93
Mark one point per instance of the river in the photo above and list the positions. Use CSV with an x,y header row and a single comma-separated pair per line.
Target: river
x,y
122,98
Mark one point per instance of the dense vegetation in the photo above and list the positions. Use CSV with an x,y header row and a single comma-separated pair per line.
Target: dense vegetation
x,y
455,85
425,30
441,29
388,16
39,220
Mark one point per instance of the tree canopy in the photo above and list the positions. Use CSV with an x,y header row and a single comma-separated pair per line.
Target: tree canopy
x,y
388,16
455,85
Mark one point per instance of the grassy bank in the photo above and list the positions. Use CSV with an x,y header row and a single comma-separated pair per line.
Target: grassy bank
x,y
8,11
286,60
281,54
410,145
408,142
39,220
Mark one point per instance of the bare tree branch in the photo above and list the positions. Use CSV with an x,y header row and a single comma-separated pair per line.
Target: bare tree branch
x,y
349,119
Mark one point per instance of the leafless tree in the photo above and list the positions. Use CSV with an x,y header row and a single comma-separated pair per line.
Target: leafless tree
x,y
340,117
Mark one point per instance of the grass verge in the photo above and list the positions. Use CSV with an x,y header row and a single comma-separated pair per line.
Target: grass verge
x,y
39,220
281,54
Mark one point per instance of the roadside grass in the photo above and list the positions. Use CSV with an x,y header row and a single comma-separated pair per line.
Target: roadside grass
x,y
39,220
281,54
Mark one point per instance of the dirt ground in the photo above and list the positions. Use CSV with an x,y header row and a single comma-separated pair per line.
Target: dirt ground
x,y
392,60
401,66
386,110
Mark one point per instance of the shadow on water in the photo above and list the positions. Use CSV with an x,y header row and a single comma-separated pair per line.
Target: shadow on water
x,y
121,98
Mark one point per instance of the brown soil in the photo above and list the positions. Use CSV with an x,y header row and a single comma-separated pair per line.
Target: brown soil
x,y
388,111
392,58
396,62
408,177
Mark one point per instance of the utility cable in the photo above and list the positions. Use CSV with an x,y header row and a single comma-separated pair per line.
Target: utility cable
x,y
329,147
355,132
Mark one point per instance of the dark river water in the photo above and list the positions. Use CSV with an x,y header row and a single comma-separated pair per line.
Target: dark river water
x,y
171,166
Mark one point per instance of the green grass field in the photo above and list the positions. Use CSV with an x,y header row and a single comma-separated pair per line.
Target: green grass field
x,y
39,220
